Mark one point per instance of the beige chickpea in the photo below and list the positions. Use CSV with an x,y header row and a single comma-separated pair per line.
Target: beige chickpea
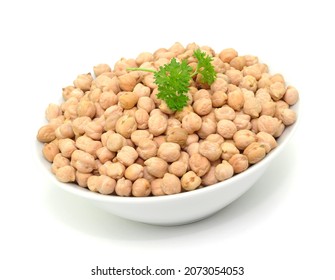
x,y
94,130
236,99
50,150
226,128
287,116
277,78
224,171
199,164
254,125
133,172
83,81
46,133
208,126
104,154
277,90
210,150
66,147
138,135
156,187
280,105
268,141
268,124
219,98
81,178
59,161
146,103
157,124
141,118
165,108
225,112
242,121
190,181
83,161
255,152
147,148
159,140
279,130
193,148
291,95
156,166
252,107
66,174
249,82
177,135
169,151
127,155
114,170
128,81
192,138
100,69
106,185
170,184
239,163
209,178
79,124
263,95
202,106
179,115
66,92
184,157
141,187
178,168
144,57
269,108
64,131
86,108
228,150
243,138
123,187
216,138
115,142
235,76
253,70
238,62
228,54
128,100
107,99
126,125
88,145
141,90
202,93
191,122
53,111
250,60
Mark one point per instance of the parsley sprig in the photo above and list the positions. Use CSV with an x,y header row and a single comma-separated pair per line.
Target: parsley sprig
x,y
173,79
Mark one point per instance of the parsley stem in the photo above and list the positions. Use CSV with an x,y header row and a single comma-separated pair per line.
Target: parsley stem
x,y
141,69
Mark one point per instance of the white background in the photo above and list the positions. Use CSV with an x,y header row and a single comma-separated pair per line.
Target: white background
x,y
283,228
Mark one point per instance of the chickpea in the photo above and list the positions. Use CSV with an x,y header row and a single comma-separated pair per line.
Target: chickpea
x,y
94,130
226,128
199,164
236,99
81,178
133,172
287,116
156,166
169,151
243,138
47,134
100,69
242,121
127,155
190,181
249,82
191,122
219,98
165,108
268,124
193,148
86,108
277,90
210,150
106,185
123,187
179,115
107,99
208,126
268,141
202,93
115,142
279,130
202,106
157,124
178,168
141,187
252,107
209,178
225,112
216,138
114,170
227,55
66,147
184,157
253,70
83,81
79,124
66,174
291,95
177,135
141,118
255,152
146,103
263,95
156,187
277,78
128,100
192,138
159,140
141,90
138,135
238,62
83,161
170,184
239,163
125,126
146,148
228,150
128,81
224,171
88,145
104,154
50,150
269,108
53,111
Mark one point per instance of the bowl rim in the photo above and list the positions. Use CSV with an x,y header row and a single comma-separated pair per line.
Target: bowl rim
x,y
86,193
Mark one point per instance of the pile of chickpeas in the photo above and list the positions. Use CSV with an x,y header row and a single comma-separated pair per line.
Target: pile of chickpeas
x,y
113,135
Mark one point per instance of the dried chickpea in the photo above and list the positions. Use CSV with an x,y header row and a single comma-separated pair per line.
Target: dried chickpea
x,y
79,124
115,142
216,138
169,151
133,172
269,108
191,122
81,178
100,69
46,133
127,155
226,128
128,100
291,95
141,90
228,150
287,116
125,126
114,170
236,99
239,163
208,126
83,161
235,76
268,124
243,138
170,184
146,103
238,62
106,184
177,135
147,148
138,135
279,130
209,178
86,108
227,55
277,90
225,112
242,121
88,145
156,166
199,164
202,93
268,141
210,150
66,174
66,147
83,81
104,154
93,130
252,107
249,82
53,111
123,187
156,187
224,171
255,152
157,124
178,168
193,148
190,181
107,99
141,187
50,150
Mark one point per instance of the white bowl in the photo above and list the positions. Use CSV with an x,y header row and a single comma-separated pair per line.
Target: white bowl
x,y
180,208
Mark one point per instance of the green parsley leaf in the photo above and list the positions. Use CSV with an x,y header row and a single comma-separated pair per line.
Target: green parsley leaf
x,y
205,67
